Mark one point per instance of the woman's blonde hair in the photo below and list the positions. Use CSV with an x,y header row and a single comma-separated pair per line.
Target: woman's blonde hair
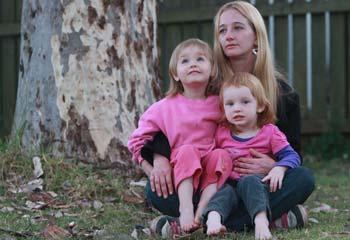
x,y
176,86
244,79
264,68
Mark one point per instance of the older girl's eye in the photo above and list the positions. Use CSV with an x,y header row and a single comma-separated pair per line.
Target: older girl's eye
x,y
184,60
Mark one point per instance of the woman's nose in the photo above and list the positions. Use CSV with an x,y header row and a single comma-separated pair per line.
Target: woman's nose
x,y
229,35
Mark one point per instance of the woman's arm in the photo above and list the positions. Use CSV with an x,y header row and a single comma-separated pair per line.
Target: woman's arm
x,y
156,154
288,115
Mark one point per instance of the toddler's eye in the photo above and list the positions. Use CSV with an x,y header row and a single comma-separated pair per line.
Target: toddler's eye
x,y
246,101
200,59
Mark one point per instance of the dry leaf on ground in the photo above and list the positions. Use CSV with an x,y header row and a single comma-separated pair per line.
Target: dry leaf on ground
x,y
54,232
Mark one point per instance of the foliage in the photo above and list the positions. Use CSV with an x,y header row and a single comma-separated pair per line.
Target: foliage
x,y
330,144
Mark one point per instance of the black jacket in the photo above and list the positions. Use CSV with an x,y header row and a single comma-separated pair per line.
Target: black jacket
x,y
288,121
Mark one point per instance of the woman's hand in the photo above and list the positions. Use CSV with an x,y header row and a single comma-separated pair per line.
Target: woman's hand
x,y
259,163
161,176
275,178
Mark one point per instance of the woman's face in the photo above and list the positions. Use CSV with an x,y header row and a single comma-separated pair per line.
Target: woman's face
x,y
236,36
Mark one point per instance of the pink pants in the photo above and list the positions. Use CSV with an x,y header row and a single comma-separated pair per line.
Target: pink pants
x,y
214,167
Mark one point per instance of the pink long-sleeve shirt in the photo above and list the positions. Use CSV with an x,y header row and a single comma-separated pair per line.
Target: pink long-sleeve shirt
x,y
184,121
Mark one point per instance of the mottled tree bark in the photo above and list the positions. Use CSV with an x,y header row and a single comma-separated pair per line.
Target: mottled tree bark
x,y
88,68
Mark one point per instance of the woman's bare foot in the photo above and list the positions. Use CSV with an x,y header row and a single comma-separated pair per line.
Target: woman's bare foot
x,y
262,231
214,226
187,219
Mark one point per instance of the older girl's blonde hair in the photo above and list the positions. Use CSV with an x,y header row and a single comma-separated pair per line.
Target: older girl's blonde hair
x,y
244,79
264,68
176,86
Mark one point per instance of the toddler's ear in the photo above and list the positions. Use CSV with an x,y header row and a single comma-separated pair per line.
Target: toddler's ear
x,y
260,109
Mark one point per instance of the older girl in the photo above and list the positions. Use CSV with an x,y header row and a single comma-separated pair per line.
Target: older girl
x,y
188,116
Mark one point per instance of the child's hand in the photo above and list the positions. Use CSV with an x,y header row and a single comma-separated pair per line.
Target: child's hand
x,y
275,178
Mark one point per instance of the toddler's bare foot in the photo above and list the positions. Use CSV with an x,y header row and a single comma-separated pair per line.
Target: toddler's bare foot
x,y
214,226
262,231
198,217
187,219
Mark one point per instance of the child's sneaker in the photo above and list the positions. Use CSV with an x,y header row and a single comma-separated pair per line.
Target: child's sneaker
x,y
165,226
294,218
169,227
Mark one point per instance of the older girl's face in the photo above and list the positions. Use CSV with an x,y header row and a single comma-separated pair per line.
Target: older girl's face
x,y
236,36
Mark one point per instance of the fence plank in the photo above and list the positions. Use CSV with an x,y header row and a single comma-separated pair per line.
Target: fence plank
x,y
338,79
171,36
8,60
347,64
8,76
300,62
319,87
281,42
190,30
206,33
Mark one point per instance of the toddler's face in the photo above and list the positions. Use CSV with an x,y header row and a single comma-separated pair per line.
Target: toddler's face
x,y
240,107
193,67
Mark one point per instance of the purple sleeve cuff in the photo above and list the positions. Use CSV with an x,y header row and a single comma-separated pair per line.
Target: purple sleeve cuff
x,y
287,157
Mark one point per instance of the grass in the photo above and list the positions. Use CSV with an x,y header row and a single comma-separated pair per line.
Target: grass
x,y
101,205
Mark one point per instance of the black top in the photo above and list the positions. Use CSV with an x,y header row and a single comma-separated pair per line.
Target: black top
x,y
288,121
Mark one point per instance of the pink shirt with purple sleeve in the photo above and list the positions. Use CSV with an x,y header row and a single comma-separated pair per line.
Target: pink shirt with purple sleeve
x,y
269,140
182,120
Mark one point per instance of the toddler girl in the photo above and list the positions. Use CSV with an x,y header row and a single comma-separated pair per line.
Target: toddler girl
x,y
247,123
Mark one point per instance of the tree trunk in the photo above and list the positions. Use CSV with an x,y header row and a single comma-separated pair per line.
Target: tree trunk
x,y
87,71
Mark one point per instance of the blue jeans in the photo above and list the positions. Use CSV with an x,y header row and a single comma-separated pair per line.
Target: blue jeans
x,y
297,186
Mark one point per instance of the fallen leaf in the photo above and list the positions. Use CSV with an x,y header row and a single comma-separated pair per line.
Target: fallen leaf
x,y
38,170
324,208
41,196
141,183
53,194
7,209
313,220
58,214
16,233
32,186
53,232
132,199
35,206
97,205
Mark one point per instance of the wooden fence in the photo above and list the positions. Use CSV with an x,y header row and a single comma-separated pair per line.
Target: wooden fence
x,y
10,15
310,40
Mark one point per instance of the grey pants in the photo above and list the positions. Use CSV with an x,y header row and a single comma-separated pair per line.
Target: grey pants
x,y
249,190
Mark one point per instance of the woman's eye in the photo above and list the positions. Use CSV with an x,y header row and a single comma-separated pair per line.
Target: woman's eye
x,y
222,31
238,27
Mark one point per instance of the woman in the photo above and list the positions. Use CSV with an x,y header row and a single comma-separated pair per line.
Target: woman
x,y
241,45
